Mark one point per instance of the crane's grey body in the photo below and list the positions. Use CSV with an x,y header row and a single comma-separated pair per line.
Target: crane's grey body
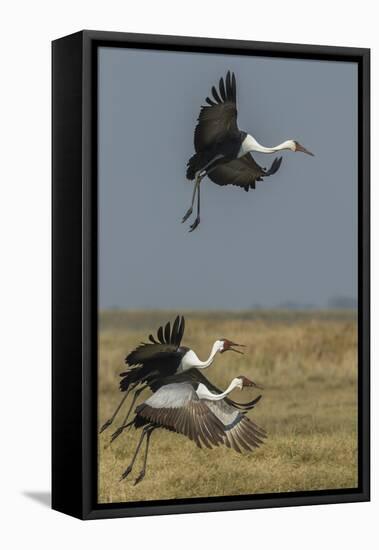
x,y
172,396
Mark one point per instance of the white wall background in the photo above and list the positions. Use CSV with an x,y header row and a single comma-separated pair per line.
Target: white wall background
x,y
26,31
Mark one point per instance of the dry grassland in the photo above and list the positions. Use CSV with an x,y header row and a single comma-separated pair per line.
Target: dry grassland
x,y
307,363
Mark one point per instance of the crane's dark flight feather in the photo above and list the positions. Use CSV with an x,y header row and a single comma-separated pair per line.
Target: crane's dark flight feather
x,y
234,88
239,431
216,131
215,95
160,335
167,332
222,89
243,172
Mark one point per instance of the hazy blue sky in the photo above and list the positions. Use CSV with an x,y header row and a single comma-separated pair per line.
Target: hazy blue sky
x,y
294,238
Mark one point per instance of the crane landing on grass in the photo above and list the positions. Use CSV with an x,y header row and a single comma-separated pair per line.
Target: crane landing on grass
x,y
203,416
223,150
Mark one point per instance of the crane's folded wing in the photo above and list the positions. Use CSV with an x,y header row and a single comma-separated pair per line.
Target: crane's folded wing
x,y
243,172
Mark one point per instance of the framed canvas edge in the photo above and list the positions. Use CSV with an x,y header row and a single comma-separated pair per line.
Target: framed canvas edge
x,y
67,318
87,507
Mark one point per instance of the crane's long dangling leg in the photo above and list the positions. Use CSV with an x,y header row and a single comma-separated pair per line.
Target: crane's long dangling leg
x,y
201,176
197,220
110,420
141,475
195,189
130,467
124,424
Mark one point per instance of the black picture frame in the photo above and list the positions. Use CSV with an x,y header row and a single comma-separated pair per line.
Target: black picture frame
x,y
74,272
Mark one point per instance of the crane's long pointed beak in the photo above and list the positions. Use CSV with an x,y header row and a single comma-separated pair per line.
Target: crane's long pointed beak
x,y
247,383
302,149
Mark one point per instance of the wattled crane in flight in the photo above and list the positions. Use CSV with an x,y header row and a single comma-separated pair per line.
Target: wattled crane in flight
x,y
222,150
205,417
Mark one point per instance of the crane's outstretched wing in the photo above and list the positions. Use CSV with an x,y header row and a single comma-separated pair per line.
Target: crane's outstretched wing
x,y
178,408
167,340
159,357
239,431
218,120
243,172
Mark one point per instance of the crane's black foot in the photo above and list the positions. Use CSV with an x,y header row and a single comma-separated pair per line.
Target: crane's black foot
x,y
117,433
187,214
126,473
106,425
140,477
195,224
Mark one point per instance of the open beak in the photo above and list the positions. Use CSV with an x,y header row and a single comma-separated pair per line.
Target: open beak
x,y
232,347
303,149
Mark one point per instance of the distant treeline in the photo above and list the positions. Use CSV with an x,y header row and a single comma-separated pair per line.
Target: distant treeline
x,y
146,319
336,302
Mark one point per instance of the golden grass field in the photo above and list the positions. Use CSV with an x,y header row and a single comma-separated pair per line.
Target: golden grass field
x,y
307,363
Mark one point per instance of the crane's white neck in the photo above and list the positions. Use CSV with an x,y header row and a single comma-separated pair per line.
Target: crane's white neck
x,y
203,392
250,144
191,360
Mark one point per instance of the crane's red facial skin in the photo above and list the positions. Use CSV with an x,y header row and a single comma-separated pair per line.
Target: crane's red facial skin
x,y
302,149
246,383
229,346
